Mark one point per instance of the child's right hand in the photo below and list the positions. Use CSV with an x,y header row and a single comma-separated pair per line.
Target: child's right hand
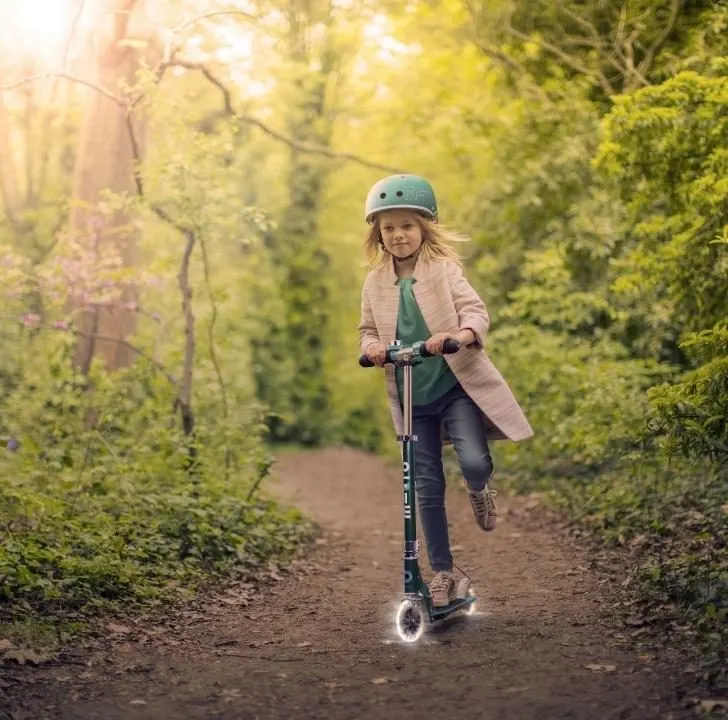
x,y
377,353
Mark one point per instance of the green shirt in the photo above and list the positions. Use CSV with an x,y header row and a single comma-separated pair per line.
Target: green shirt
x,y
432,378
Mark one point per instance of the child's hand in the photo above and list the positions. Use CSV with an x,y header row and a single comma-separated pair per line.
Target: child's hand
x,y
435,342
377,353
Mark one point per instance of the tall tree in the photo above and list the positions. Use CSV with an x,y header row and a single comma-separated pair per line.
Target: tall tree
x,y
310,54
110,144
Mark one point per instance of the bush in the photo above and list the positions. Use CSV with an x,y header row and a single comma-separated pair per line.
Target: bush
x,y
106,500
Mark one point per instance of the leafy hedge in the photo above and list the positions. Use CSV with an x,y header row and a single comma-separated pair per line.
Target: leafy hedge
x,y
638,463
99,504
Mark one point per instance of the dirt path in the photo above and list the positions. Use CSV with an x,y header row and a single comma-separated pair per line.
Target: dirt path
x,y
321,645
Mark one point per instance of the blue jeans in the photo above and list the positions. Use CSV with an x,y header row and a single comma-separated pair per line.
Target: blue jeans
x,y
465,425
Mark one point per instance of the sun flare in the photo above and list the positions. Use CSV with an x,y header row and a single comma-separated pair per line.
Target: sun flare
x,y
35,29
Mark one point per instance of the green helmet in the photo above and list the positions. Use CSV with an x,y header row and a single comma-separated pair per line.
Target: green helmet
x,y
409,192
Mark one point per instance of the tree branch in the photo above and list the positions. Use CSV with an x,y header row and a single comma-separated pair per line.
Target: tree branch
x,y
171,49
624,50
65,76
192,65
573,63
499,56
649,57
588,26
229,110
276,134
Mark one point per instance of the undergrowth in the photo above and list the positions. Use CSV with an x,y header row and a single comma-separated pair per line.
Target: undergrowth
x,y
105,502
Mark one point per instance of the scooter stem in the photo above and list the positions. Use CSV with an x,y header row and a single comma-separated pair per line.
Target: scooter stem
x,y
412,578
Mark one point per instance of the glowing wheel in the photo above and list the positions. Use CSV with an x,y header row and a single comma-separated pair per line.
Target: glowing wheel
x,y
410,620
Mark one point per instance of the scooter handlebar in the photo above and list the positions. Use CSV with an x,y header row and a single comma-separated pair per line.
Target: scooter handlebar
x,y
449,347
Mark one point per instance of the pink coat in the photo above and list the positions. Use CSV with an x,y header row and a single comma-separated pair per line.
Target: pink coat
x,y
448,304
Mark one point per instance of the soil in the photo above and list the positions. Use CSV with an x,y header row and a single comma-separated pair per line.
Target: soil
x,y
318,640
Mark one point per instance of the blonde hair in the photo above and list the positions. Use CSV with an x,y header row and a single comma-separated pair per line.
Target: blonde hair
x,y
436,241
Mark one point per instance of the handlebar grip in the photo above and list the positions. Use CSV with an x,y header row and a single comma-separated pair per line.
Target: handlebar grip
x,y
364,361
449,347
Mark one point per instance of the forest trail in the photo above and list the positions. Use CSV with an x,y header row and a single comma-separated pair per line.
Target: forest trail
x,y
320,643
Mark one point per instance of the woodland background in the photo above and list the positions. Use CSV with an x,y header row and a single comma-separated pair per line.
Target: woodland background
x,y
182,189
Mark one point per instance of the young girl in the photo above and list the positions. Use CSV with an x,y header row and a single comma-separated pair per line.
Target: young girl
x,y
416,290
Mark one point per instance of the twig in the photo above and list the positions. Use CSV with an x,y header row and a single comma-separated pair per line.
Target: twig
x,y
65,76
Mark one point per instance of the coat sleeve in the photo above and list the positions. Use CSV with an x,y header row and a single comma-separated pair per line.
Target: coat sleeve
x,y
471,310
367,327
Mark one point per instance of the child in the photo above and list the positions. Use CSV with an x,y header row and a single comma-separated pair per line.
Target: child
x,y
416,290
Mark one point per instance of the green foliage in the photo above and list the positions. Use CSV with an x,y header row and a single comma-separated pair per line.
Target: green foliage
x,y
585,401
692,415
670,142
99,505
547,298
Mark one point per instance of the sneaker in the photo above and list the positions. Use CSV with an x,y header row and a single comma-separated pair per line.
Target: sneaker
x,y
442,589
484,508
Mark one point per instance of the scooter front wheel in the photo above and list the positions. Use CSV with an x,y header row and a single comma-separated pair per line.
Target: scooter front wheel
x,y
411,620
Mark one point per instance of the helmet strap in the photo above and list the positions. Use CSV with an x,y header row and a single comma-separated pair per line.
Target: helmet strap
x,y
399,259
402,259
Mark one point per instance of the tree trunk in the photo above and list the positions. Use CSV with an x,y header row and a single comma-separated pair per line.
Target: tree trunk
x,y
105,161
299,252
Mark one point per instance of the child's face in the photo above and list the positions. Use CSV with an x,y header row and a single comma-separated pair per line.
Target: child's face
x,y
401,232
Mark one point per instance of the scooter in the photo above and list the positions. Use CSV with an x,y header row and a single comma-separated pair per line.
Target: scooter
x,y
416,610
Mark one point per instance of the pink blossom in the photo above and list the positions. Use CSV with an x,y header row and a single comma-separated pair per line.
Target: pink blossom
x,y
31,320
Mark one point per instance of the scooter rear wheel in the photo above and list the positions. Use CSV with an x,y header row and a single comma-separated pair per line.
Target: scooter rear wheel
x,y
411,620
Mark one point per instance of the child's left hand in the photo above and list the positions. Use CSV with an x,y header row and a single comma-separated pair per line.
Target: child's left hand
x,y
435,342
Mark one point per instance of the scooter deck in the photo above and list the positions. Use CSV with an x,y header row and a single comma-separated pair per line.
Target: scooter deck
x,y
458,604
